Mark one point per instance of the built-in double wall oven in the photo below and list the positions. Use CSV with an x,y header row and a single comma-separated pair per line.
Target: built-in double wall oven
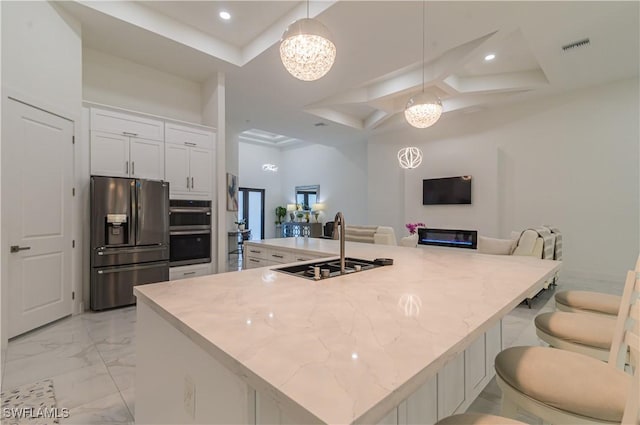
x,y
189,232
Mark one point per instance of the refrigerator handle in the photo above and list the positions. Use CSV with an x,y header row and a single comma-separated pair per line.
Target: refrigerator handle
x,y
139,211
133,205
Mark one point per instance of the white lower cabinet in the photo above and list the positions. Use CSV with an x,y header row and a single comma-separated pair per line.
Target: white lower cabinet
x,y
254,263
185,272
256,255
174,364
422,406
451,390
456,385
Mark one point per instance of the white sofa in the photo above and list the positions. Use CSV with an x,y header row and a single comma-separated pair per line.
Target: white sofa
x,y
527,243
383,235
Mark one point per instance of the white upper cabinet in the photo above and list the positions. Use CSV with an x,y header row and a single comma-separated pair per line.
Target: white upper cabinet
x,y
123,156
127,124
200,170
133,145
189,161
177,169
109,154
147,159
188,136
126,145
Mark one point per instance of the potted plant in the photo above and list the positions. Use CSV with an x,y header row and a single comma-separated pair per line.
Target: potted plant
x,y
299,214
281,212
241,223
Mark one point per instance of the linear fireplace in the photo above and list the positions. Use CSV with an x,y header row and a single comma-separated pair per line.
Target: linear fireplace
x,y
448,237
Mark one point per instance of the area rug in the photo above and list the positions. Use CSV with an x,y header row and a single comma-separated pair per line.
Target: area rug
x,y
33,404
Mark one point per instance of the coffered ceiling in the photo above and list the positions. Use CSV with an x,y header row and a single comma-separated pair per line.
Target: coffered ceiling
x,y
379,62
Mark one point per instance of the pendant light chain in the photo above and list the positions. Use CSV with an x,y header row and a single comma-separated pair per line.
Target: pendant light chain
x,y
423,31
307,9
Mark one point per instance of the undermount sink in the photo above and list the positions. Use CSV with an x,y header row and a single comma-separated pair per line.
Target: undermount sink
x,y
351,265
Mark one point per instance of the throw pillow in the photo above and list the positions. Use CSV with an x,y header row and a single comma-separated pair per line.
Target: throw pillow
x,y
495,246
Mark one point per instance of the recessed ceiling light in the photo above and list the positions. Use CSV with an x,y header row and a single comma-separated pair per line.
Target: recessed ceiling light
x,y
490,57
225,15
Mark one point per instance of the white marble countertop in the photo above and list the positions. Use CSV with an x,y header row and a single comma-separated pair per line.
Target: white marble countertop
x,y
350,348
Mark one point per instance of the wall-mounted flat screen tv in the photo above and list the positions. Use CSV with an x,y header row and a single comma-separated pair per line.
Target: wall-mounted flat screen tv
x,y
446,191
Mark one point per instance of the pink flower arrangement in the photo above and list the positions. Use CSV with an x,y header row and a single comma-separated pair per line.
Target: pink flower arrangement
x,y
412,227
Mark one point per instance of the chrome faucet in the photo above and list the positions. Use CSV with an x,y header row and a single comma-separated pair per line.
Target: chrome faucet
x,y
339,221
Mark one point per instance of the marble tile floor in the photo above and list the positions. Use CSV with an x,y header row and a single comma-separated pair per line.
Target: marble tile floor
x,y
91,359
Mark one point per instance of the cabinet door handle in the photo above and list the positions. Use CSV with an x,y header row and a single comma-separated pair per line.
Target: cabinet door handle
x,y
133,168
192,185
126,166
18,248
188,273
277,256
189,144
126,133
254,260
187,182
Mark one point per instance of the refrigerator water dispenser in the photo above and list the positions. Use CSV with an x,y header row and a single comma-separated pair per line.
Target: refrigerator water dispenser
x,y
116,229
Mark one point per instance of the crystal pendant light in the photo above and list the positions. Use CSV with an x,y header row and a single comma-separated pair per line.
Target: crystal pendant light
x,y
306,49
410,157
424,109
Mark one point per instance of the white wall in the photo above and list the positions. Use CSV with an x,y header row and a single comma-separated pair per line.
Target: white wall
x,y
214,115
115,81
570,161
41,54
3,340
341,172
41,66
251,175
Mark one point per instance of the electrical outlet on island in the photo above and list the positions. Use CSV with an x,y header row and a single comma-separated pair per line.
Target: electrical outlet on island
x,y
189,397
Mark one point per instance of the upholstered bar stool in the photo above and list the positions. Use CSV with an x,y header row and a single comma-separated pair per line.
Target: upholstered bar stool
x,y
589,301
478,419
565,387
588,334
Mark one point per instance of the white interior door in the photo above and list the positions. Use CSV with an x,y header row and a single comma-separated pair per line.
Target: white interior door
x,y
39,166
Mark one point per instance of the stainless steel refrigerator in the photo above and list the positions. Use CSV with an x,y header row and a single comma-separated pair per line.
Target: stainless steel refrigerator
x,y
129,238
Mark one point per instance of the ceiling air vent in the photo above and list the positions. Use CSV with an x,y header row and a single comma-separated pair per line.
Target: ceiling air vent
x,y
576,44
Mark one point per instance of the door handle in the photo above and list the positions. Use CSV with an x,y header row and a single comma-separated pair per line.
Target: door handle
x,y
17,248
192,185
126,166
187,182
133,168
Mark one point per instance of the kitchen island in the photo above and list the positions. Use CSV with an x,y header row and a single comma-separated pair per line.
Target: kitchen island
x,y
406,343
